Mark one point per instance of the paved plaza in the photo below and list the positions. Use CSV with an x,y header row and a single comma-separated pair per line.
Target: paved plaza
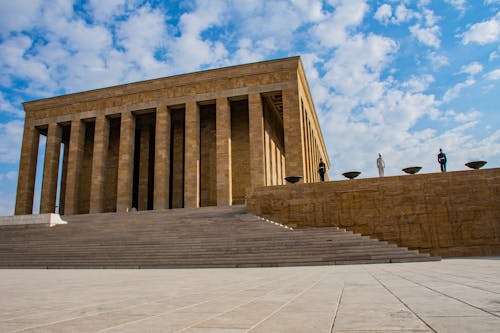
x,y
453,295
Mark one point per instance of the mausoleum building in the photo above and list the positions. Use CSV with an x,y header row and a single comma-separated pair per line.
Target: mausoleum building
x,y
191,140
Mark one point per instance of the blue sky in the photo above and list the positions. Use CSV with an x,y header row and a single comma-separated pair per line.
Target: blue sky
x,y
403,78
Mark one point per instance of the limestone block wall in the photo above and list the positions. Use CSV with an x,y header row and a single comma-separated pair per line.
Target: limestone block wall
x,y
86,169
447,214
208,179
112,166
240,153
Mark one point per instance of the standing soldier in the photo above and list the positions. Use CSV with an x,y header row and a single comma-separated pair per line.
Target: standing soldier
x,y
442,160
380,165
322,169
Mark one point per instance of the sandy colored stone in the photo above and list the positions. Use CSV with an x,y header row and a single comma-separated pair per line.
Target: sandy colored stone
x,y
446,214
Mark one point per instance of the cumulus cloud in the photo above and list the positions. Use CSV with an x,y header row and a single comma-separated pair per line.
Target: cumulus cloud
x,y
335,28
401,14
18,15
428,36
437,60
493,75
454,92
458,4
10,141
418,84
383,13
483,32
472,68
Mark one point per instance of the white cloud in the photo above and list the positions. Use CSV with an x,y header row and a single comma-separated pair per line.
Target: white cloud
x,y
383,13
7,107
437,60
334,30
7,204
463,117
491,2
430,18
403,14
428,36
484,32
105,10
472,68
458,4
418,84
493,75
10,141
494,55
356,65
18,15
14,61
454,92
312,9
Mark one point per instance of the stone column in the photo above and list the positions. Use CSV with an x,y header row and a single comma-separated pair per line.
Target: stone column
x,y
293,134
267,155
256,137
75,158
99,159
274,164
142,201
192,156
223,147
162,158
278,165
125,162
51,169
27,172
64,174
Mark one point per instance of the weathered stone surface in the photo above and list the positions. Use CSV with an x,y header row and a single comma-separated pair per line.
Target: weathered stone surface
x,y
99,161
27,171
224,160
51,169
125,162
192,156
260,110
256,137
162,158
75,156
446,214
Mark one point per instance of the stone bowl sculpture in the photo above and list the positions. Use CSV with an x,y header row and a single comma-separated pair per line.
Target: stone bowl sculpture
x,y
476,164
412,170
351,174
293,179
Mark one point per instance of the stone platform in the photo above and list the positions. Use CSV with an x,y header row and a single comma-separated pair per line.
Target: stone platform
x,y
453,295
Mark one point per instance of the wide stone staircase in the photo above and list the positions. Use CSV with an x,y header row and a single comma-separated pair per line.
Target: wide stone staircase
x,y
187,238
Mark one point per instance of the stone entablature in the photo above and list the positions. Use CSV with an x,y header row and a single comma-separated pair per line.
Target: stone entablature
x,y
183,141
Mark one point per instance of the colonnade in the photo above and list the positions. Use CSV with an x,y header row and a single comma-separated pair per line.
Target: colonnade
x,y
113,162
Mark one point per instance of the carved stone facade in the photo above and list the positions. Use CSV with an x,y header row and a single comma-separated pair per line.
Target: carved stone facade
x,y
191,140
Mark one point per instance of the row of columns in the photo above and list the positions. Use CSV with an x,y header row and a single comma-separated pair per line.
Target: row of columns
x,y
29,155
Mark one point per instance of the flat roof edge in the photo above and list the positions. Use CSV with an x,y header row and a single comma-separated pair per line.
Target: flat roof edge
x,y
63,99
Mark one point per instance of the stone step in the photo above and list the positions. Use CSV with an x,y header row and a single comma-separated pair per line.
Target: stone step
x,y
206,237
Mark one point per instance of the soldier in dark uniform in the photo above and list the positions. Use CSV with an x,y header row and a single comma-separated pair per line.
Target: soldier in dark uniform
x,y
322,169
442,160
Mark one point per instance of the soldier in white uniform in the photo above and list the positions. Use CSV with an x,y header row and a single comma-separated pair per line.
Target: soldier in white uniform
x,y
380,165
